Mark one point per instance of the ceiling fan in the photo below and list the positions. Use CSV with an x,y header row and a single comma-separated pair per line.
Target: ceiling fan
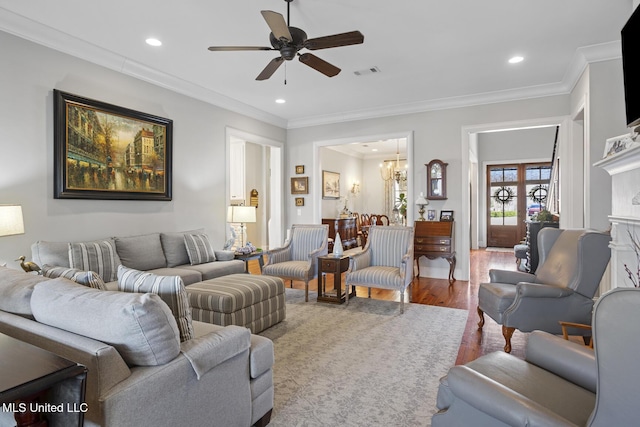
x,y
290,40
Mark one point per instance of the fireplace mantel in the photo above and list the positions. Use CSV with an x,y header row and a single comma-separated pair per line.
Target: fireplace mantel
x,y
624,168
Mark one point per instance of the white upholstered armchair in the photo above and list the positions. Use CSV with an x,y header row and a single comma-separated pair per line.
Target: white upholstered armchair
x,y
298,258
386,261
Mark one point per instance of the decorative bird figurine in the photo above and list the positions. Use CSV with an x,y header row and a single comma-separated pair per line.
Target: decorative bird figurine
x,y
28,266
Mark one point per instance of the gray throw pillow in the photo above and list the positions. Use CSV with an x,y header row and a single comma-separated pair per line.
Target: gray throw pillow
x,y
142,252
139,326
174,248
169,288
99,256
199,248
16,287
85,278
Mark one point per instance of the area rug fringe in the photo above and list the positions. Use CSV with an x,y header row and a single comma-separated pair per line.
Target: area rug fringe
x,y
361,365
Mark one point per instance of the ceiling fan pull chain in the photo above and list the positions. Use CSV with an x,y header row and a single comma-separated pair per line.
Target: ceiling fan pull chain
x,y
285,73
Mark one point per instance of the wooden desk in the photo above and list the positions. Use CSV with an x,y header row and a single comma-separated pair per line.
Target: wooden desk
x,y
435,239
336,266
30,375
347,229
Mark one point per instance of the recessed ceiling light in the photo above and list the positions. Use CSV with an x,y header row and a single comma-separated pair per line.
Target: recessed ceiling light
x,y
280,101
153,42
374,149
516,59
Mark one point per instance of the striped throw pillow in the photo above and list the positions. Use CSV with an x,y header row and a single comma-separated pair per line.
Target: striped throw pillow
x,y
85,278
199,249
95,256
169,288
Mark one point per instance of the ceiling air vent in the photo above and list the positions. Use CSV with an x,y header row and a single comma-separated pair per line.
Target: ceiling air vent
x,y
366,71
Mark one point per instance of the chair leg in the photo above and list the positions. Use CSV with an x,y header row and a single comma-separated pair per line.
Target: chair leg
x,y
291,283
306,291
402,303
507,332
481,322
369,289
346,289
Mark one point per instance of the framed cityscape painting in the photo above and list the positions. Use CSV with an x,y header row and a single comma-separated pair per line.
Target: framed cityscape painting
x,y
102,151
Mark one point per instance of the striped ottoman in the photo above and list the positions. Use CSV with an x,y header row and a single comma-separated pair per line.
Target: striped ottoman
x,y
253,301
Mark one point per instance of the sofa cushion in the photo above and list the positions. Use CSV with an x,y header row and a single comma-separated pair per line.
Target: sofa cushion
x,y
16,287
99,256
85,278
142,252
174,248
140,326
199,248
169,288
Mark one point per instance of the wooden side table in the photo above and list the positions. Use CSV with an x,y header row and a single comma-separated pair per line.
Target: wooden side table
x,y
247,257
336,266
31,377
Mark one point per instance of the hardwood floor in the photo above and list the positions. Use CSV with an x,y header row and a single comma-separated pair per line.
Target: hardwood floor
x,y
461,295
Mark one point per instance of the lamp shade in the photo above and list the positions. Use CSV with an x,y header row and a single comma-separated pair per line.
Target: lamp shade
x,y
11,220
421,200
241,214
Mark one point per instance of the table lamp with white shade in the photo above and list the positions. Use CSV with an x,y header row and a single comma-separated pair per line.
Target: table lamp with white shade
x,y
11,221
422,202
241,214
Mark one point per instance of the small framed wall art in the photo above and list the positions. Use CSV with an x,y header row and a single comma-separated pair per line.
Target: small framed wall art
x,y
300,185
299,201
330,185
299,169
431,214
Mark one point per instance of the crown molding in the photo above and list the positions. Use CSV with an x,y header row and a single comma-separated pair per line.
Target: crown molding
x,y
57,40
46,36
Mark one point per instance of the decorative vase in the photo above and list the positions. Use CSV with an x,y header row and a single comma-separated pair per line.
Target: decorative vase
x,y
338,250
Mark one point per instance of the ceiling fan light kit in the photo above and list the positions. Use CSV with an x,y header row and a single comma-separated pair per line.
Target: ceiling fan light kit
x,y
290,40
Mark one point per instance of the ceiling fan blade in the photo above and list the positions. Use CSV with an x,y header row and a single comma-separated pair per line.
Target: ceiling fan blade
x,y
277,24
336,40
319,64
236,48
270,68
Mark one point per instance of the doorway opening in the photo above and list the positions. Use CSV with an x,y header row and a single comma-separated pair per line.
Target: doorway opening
x,y
254,171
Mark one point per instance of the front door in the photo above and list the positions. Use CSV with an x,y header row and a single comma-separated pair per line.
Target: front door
x,y
515,194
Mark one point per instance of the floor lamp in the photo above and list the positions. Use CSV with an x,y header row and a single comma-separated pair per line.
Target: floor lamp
x,y
241,214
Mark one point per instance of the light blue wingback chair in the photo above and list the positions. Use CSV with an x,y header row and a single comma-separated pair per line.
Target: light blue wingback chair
x,y
571,266
298,258
385,262
559,383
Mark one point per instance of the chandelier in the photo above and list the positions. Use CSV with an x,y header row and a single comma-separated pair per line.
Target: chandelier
x,y
393,170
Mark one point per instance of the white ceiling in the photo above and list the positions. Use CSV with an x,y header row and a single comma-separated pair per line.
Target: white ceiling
x,y
431,53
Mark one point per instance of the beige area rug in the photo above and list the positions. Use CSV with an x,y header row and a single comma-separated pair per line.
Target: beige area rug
x,y
499,250
361,365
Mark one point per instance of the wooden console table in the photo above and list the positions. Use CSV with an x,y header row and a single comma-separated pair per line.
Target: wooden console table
x,y
347,229
434,239
33,378
336,266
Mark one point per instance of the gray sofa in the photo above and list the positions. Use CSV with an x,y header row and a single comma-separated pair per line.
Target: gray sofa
x,y
164,254
222,377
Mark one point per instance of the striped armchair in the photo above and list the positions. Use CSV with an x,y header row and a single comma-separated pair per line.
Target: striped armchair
x,y
386,261
297,259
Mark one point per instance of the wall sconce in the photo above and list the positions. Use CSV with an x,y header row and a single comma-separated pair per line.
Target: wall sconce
x,y
355,188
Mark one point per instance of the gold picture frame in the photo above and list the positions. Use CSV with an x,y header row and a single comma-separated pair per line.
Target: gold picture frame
x,y
299,169
300,185
330,185
299,201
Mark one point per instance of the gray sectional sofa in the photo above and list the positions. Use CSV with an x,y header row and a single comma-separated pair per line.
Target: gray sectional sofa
x,y
222,377
164,254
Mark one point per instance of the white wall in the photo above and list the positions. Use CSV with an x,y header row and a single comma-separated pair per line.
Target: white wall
x,y
28,75
350,170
